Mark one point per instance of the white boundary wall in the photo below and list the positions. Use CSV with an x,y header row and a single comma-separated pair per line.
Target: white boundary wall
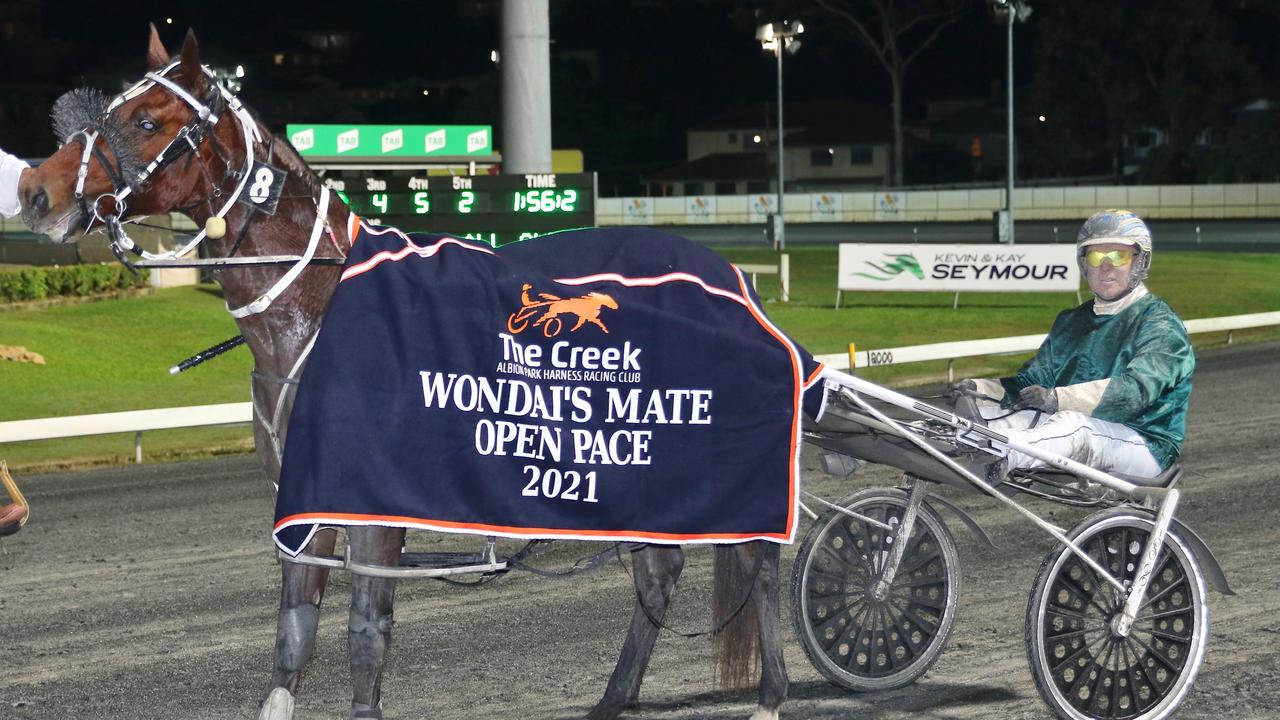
x,y
1193,202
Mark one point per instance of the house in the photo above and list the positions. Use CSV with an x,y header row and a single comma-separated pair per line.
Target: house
x,y
829,145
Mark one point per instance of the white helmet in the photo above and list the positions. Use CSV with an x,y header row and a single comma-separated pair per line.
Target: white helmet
x,y
1117,226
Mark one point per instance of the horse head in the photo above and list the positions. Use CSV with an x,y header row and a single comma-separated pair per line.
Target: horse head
x,y
159,146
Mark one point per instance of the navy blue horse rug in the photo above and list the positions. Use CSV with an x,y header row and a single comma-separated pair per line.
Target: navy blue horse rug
x,y
594,384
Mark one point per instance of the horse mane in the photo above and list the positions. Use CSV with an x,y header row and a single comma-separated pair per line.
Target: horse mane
x,y
283,151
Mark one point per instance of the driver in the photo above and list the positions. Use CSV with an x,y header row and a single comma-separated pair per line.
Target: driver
x,y
11,171
1109,385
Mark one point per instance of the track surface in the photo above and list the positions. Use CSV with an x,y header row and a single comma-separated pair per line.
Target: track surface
x,y
151,593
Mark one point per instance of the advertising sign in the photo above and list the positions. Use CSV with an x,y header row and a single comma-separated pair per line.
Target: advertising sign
x,y
390,140
978,268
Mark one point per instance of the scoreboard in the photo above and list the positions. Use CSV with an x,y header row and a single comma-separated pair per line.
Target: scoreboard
x,y
496,209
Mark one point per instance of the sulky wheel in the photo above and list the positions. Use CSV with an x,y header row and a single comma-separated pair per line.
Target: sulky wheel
x,y
857,638
1082,669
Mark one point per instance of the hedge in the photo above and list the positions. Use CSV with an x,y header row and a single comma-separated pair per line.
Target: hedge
x,y
38,283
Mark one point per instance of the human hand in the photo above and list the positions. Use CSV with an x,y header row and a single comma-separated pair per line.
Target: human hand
x,y
1037,397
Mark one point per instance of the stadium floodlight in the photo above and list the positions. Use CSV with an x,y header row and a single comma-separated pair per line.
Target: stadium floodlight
x,y
777,38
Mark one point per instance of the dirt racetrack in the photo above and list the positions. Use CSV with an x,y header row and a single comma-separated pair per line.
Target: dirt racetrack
x,y
150,592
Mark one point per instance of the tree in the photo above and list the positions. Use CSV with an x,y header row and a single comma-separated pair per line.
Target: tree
x,y
1105,69
888,28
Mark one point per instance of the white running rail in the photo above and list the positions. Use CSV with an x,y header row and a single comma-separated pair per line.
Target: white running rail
x,y
139,421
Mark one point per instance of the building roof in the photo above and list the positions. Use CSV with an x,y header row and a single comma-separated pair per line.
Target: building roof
x,y
718,166
829,135
826,122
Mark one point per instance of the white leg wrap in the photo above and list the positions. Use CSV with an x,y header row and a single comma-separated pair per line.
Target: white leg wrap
x,y
278,706
762,714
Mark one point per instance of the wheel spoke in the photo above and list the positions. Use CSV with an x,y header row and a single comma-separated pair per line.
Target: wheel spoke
x,y
1163,591
857,639
1102,674
859,560
906,636
1084,648
1130,663
1082,676
1178,640
921,622
849,586
873,549
919,535
933,605
1070,586
1065,612
898,584
850,611
918,564
880,641
1100,626
1165,559
1156,654
1167,613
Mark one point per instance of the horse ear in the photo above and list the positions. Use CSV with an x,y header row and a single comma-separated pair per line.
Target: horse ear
x,y
157,56
190,68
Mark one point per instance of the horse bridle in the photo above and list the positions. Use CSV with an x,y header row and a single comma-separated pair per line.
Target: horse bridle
x,y
188,139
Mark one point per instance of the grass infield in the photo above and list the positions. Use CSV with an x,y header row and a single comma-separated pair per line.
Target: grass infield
x,y
114,355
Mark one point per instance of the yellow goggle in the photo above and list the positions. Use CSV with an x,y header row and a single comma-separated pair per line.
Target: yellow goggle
x,y
1118,258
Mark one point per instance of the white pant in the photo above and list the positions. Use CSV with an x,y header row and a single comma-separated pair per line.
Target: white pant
x,y
1102,445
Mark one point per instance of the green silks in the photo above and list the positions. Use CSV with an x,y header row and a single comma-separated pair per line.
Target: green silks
x,y
1143,349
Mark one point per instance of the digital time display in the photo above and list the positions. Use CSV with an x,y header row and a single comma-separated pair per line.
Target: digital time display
x,y
494,208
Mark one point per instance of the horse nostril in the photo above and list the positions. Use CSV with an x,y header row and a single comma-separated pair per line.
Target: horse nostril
x,y
39,203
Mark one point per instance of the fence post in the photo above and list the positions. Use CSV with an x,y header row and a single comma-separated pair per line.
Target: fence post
x,y
784,268
137,447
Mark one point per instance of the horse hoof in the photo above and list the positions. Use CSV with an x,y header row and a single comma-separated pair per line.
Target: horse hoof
x,y
604,711
763,714
277,706
360,711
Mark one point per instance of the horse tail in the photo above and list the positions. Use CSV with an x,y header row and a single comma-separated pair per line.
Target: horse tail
x,y
734,614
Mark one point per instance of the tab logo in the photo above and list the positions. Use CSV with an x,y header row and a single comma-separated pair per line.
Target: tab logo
x,y
478,140
393,140
434,141
303,140
349,140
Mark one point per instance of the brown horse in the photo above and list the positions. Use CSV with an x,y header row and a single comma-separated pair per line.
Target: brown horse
x,y
178,141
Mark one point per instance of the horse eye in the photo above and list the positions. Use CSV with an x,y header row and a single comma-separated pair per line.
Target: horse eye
x,y
147,125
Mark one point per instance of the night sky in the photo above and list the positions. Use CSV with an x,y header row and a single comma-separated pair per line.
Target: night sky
x,y
628,77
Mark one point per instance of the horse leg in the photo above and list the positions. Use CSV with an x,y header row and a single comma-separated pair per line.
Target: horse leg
x,y
773,671
301,590
656,570
369,625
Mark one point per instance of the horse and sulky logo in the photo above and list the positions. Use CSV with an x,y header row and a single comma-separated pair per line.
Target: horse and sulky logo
x,y
895,265
545,311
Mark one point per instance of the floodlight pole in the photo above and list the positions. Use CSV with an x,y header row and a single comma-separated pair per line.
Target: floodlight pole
x,y
1008,197
779,225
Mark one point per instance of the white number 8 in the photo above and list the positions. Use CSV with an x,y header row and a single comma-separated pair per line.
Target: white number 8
x,y
261,187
